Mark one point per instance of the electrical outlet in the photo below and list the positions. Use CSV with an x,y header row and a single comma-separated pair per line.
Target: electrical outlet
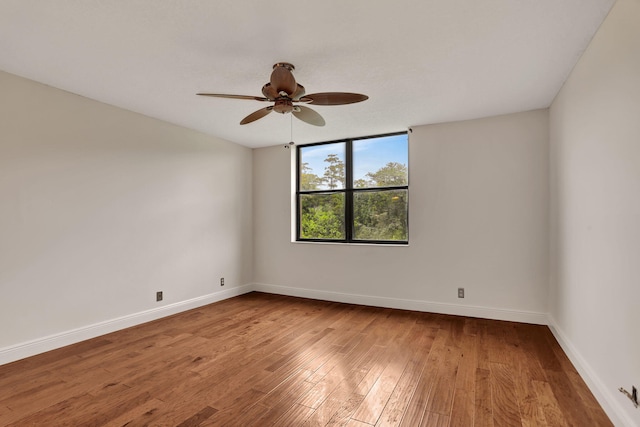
x,y
222,281
460,292
159,296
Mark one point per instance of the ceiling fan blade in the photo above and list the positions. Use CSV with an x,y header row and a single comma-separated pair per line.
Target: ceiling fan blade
x,y
256,115
270,92
220,95
299,93
282,79
334,98
308,115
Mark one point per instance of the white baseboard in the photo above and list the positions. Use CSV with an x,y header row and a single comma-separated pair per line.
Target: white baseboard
x,y
41,345
406,304
603,395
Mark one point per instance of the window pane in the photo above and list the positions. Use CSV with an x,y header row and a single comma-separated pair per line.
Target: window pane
x,y
380,215
381,162
322,167
322,216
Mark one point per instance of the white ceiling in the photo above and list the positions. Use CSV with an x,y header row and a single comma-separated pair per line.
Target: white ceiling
x,y
420,61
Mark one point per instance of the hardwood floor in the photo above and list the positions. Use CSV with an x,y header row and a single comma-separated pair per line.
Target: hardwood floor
x,y
262,360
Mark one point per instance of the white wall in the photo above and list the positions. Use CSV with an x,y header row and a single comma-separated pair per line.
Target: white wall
x,y
595,151
101,207
478,219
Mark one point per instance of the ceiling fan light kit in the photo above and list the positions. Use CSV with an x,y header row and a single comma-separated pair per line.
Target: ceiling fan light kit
x,y
287,95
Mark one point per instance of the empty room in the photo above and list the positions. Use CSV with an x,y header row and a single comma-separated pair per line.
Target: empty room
x,y
310,214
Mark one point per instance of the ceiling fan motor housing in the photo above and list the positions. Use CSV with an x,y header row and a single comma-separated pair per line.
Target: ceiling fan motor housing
x,y
283,105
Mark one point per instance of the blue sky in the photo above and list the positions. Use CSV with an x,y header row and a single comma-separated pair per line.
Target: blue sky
x,y
369,155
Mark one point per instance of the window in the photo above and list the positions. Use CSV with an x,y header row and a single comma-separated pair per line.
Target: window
x,y
354,191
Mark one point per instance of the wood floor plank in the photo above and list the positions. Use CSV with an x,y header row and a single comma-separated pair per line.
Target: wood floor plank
x,y
404,390
16,379
174,412
200,418
109,403
566,396
283,401
356,363
343,366
46,395
136,415
339,405
296,416
441,395
49,414
483,413
550,408
466,375
416,408
433,419
470,326
373,367
291,388
483,342
261,360
61,355
575,382
233,407
586,397
503,391
249,416
376,399
526,370
356,423
7,416
528,352
462,409
291,351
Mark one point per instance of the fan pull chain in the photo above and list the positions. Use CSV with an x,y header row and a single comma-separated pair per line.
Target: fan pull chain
x,y
291,143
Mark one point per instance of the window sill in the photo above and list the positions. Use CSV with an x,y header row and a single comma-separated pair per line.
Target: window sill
x,y
385,245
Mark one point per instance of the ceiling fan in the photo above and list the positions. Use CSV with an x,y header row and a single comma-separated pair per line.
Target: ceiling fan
x,y
285,93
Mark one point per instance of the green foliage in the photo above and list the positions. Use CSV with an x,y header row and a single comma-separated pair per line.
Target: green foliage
x,y
322,216
391,175
378,214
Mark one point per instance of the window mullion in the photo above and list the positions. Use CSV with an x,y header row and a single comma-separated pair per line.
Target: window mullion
x,y
348,202
298,188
